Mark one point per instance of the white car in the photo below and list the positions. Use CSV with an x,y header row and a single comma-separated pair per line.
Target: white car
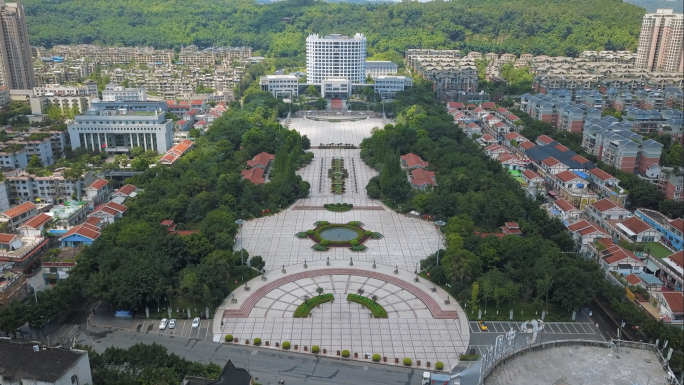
x,y
195,323
172,324
164,322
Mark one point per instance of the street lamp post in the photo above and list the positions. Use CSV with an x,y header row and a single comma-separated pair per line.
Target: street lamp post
x,y
35,296
241,222
439,237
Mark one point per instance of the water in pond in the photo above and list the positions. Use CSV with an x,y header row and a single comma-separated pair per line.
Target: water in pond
x,y
339,234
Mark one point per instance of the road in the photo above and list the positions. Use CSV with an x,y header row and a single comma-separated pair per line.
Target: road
x,y
266,365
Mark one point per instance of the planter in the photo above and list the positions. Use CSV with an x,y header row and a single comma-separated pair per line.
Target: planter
x,y
236,340
384,359
305,348
338,352
427,364
356,355
266,343
325,351
246,342
417,362
277,345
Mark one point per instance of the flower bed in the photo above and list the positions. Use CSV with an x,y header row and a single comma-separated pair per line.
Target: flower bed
x,y
305,308
377,310
361,237
338,207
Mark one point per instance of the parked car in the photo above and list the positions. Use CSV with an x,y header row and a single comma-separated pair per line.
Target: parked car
x,y
483,326
164,322
195,323
172,324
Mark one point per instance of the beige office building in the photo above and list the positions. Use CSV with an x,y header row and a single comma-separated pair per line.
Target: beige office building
x,y
660,42
16,65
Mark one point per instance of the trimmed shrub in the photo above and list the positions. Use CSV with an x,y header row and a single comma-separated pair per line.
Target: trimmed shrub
x,y
315,349
345,353
257,341
358,248
354,242
310,232
407,361
338,204
229,338
301,234
368,232
319,248
325,242
376,357
286,345
439,365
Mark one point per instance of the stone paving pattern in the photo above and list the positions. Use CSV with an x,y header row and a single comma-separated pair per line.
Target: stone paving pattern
x,y
406,240
342,132
410,331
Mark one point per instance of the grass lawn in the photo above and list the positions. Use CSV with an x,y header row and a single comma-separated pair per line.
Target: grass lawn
x,y
521,311
241,279
657,250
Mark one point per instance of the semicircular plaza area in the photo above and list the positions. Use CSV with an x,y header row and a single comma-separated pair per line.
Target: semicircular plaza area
x,y
422,324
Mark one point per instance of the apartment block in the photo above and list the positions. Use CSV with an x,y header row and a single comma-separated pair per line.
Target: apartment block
x,y
16,63
88,88
5,97
454,78
114,55
660,42
613,143
671,181
56,188
40,104
209,57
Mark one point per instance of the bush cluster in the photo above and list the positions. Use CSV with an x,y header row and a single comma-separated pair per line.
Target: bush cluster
x,y
303,310
339,207
377,235
302,234
368,232
345,353
229,338
325,242
354,242
359,248
377,310
319,248
310,232
286,345
354,223
376,357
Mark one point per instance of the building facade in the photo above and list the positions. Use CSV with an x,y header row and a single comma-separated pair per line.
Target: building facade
x,y
116,127
113,93
280,85
660,42
336,56
16,63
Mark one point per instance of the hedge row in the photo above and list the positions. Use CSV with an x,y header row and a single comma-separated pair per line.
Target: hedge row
x,y
305,308
377,310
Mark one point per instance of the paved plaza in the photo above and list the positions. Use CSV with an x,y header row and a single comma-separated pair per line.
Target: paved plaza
x,y
335,132
406,240
420,325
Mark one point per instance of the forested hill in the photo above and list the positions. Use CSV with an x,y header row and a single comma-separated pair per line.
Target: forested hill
x,y
553,27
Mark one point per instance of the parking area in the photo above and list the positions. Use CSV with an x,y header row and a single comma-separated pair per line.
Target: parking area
x,y
549,327
183,329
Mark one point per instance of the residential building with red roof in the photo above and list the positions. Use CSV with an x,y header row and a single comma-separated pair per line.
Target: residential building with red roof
x,y
535,183
108,212
171,228
457,105
487,140
620,261
551,166
13,287
511,228
585,234
23,252
671,307
34,227
16,216
97,192
80,235
573,188
126,191
261,160
254,175
544,140
565,211
634,229
412,161
176,152
488,105
421,178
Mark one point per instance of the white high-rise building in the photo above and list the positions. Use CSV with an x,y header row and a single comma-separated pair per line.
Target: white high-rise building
x,y
660,42
336,57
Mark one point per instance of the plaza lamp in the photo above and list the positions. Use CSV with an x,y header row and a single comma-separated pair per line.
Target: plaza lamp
x,y
439,238
241,222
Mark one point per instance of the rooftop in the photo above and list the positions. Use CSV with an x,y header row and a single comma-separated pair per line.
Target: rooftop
x,y
20,362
